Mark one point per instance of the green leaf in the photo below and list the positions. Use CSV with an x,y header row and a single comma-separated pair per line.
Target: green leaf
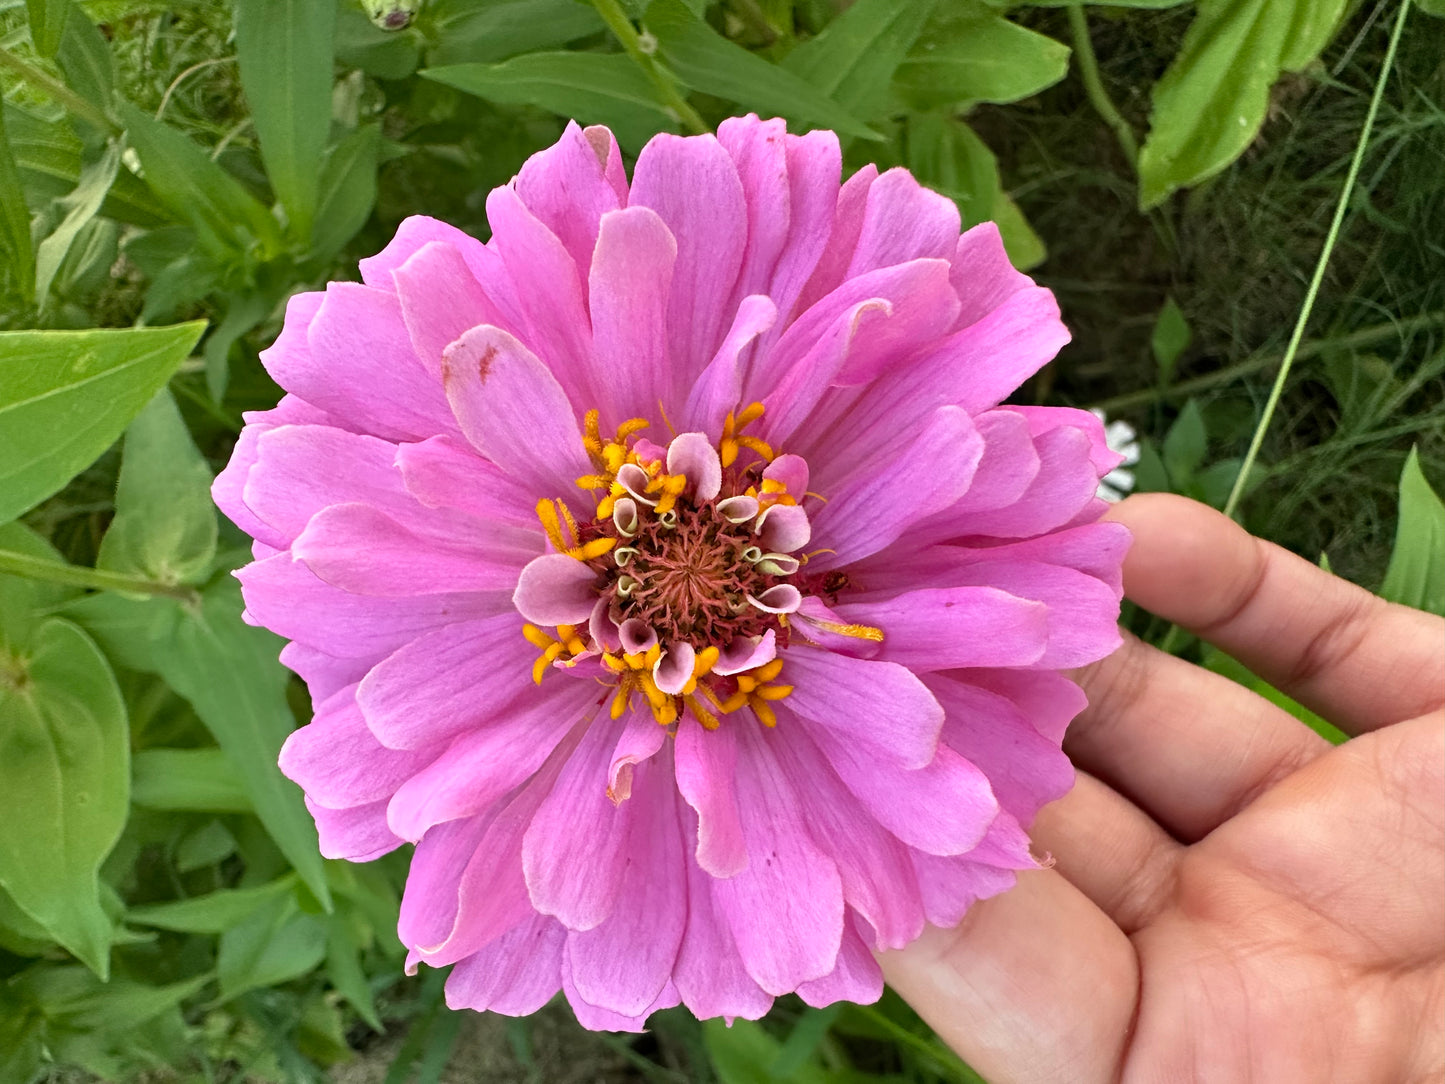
x,y
348,191
854,58
948,156
65,759
1416,576
593,88
980,60
65,396
1210,103
74,1000
745,1054
165,524
22,599
1170,336
381,53
214,912
48,156
343,968
275,944
80,206
1432,7
183,177
704,60
84,57
22,1040
229,673
1185,444
284,49
47,23
492,32
15,239
243,312
187,780
1230,667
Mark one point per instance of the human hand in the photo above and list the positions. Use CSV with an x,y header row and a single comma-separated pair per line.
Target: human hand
x,y
1234,899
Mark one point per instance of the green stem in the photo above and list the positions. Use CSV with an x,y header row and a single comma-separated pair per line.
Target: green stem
x,y
1354,340
1314,288
1094,86
59,91
622,28
39,568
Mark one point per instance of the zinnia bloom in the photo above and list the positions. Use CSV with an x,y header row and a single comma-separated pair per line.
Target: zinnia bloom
x,y
666,570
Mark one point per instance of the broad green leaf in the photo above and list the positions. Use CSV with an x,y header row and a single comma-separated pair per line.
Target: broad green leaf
x,y
284,49
704,60
229,672
65,764
15,242
1169,338
343,968
214,912
1432,7
126,628
1156,5
1210,103
48,156
47,23
980,60
65,396
854,58
348,191
745,1053
1185,444
594,88
22,1039
75,1000
197,190
1416,576
243,312
491,32
21,598
208,845
189,780
948,156
383,54
277,942
84,57
80,206
165,524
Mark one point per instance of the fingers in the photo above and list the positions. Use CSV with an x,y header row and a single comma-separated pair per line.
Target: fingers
x,y
1359,661
1188,747
1036,985
1110,851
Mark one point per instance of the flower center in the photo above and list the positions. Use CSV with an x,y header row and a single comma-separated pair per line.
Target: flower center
x,y
690,547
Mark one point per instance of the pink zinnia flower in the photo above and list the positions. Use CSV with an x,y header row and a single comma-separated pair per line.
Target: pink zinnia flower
x,y
666,570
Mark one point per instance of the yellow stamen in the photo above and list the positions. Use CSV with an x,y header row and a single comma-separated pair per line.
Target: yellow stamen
x,y
706,718
593,481
773,692
750,413
536,637
704,661
591,435
857,632
630,426
547,514
766,715
768,671
594,549
762,447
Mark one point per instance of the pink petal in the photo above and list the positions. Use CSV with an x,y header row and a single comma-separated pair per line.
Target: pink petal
x,y
857,978
706,767
358,834
1063,487
338,762
693,455
785,910
720,387
362,367
939,628
229,485
549,292
879,704
871,509
815,164
983,275
446,681
903,221
709,972
628,286
286,597
482,766
324,674
567,188
784,528
692,183
515,975
415,233
594,1018
951,885
574,854
556,590
673,669
360,549
640,741
1048,701
440,299
1026,769
758,150
429,902
445,473
514,412
623,964
847,223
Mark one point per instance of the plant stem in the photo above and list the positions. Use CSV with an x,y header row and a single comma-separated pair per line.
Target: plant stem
x,y
622,28
1314,288
1353,340
1094,86
39,568
59,91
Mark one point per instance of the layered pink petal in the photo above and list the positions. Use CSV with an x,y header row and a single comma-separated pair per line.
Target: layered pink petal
x,y
568,189
338,762
515,975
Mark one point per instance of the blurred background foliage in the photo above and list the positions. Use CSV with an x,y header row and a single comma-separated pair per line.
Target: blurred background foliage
x,y
171,173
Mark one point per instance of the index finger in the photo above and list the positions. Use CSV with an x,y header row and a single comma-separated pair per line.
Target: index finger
x,y
1359,661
